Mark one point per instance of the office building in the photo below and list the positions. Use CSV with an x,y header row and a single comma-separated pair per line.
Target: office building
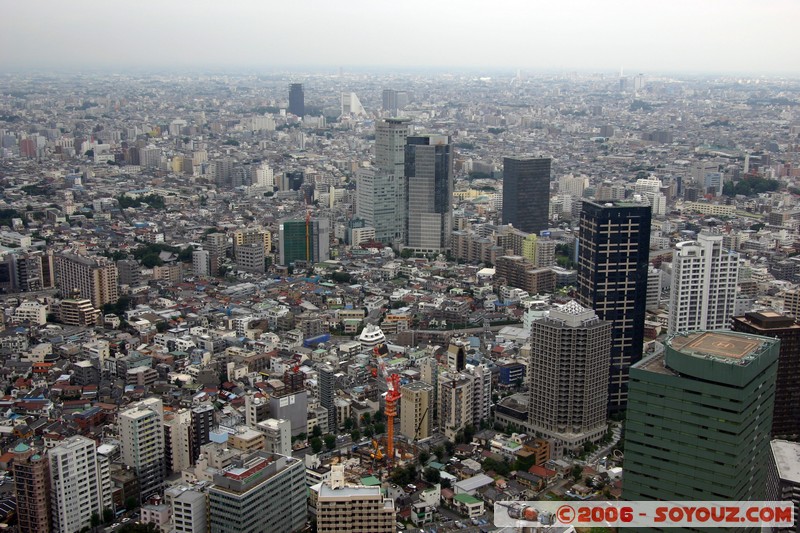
x,y
306,241
416,410
91,278
343,508
786,414
351,105
142,447
259,236
259,492
250,257
783,477
569,375
526,193
32,489
429,193
613,257
704,276
297,100
455,402
699,419
393,101
75,484
381,191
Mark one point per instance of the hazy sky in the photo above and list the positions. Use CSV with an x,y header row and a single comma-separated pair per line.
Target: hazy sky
x,y
712,36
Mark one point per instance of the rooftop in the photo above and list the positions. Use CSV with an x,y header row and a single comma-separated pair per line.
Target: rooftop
x,y
723,345
787,459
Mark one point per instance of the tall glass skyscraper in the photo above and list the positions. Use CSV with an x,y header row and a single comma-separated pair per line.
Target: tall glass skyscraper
x,y
613,255
381,191
429,198
526,193
297,100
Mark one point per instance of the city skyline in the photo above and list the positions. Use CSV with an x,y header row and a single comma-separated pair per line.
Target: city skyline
x,y
576,35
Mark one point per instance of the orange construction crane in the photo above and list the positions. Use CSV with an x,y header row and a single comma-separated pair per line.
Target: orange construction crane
x,y
392,396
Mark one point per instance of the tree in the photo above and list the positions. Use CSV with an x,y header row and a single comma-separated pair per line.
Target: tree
x,y
316,444
450,448
423,457
380,427
366,418
368,431
131,502
151,260
95,520
316,432
355,435
576,472
348,424
330,441
439,453
432,475
108,515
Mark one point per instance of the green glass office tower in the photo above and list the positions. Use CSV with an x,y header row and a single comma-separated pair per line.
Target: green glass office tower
x,y
699,419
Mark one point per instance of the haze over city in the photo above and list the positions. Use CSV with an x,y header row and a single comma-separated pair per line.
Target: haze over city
x,y
739,37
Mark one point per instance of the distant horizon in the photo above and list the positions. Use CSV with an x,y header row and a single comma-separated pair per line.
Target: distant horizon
x,y
751,38
388,71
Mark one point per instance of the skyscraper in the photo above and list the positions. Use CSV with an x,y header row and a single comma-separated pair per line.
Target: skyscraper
x,y
297,100
381,191
699,418
142,436
613,255
526,193
569,375
429,197
74,484
704,276
786,415
32,489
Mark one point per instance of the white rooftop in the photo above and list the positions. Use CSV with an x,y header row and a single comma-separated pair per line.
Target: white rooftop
x,y
787,459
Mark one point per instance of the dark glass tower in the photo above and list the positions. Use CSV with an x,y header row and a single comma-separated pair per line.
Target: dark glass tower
x,y
297,101
786,417
613,255
526,193
429,197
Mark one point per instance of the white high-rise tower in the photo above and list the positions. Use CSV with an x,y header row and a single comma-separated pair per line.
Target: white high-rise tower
x,y
704,276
